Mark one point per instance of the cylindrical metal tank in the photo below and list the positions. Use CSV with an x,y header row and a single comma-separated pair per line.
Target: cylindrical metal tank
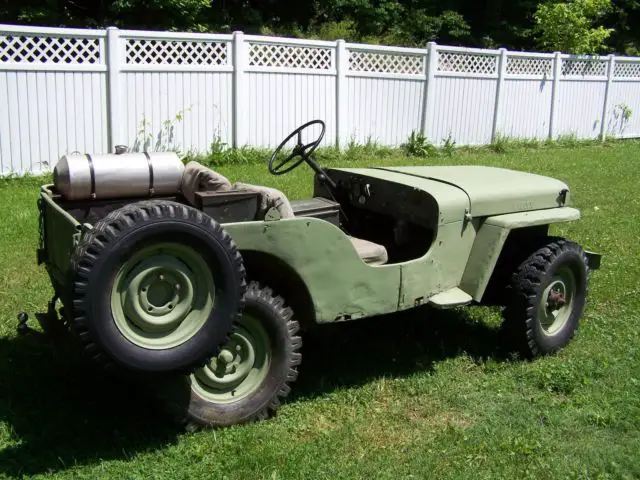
x,y
84,176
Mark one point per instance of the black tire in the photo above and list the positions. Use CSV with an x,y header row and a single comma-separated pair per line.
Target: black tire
x,y
191,410
100,254
524,317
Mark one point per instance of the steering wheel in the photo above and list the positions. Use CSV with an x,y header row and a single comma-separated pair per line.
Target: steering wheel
x,y
300,150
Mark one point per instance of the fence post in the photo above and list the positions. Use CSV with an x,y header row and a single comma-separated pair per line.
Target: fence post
x,y
502,71
605,107
114,111
557,72
237,104
430,66
342,66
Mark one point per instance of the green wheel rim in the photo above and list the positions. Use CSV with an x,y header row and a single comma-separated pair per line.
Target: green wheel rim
x,y
240,368
556,302
162,296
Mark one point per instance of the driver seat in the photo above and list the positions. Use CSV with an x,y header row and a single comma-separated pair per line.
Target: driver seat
x,y
199,178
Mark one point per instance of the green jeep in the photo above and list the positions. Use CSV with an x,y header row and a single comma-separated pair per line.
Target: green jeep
x,y
172,272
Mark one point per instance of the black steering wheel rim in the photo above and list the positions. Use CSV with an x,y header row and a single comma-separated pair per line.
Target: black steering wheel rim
x,y
300,150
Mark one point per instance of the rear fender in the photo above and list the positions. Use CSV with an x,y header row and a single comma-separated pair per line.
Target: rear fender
x,y
491,238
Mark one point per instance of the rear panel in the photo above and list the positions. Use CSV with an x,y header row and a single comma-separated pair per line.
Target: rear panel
x,y
58,230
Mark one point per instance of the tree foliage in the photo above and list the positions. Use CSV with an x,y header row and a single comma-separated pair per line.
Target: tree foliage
x,y
569,27
580,26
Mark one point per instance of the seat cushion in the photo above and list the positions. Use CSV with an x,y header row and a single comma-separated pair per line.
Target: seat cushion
x,y
371,253
198,178
269,198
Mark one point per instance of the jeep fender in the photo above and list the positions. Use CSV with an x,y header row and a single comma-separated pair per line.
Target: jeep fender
x,y
491,237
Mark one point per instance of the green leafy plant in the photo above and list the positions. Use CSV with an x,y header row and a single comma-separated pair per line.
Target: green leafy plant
x,y
418,146
570,140
164,140
499,144
625,111
449,146
217,147
621,115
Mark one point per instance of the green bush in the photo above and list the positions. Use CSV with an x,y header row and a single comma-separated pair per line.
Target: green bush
x,y
418,146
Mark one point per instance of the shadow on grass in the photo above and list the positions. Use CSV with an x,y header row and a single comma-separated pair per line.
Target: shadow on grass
x,y
63,412
354,353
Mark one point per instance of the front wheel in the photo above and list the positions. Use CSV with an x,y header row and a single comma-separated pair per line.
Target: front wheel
x,y
252,373
546,298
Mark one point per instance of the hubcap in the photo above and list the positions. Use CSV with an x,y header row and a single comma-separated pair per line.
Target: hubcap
x,y
162,296
556,303
240,367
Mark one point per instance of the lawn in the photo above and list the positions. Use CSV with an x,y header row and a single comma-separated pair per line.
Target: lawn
x,y
420,395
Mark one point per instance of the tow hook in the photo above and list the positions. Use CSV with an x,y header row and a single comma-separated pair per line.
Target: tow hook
x,y
23,328
48,320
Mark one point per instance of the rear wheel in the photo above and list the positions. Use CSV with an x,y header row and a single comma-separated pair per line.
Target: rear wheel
x,y
546,298
250,376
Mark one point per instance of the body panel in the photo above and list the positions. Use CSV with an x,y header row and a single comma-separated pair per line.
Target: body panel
x,y
441,268
59,229
452,202
491,190
341,285
450,299
491,237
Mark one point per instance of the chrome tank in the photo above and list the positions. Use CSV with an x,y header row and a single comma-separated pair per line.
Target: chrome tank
x,y
85,176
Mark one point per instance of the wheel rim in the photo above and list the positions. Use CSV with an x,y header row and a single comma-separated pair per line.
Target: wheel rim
x,y
162,296
239,369
556,302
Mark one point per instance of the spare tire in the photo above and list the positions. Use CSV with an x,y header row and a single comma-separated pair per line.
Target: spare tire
x,y
157,287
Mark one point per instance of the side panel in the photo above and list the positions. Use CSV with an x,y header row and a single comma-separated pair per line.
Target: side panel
x,y
491,237
484,256
442,268
341,285
58,231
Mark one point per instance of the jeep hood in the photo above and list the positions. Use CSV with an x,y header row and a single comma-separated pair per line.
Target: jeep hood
x,y
494,191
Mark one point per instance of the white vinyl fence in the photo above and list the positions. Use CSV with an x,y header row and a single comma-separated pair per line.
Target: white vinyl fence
x,y
64,90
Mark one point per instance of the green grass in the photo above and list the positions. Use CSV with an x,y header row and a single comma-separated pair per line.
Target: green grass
x,y
418,395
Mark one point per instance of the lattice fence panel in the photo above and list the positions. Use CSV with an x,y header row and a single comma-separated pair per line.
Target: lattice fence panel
x,y
47,49
176,52
385,63
584,68
626,70
289,56
529,66
467,63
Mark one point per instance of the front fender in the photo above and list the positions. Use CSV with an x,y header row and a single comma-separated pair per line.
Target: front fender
x,y
491,237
